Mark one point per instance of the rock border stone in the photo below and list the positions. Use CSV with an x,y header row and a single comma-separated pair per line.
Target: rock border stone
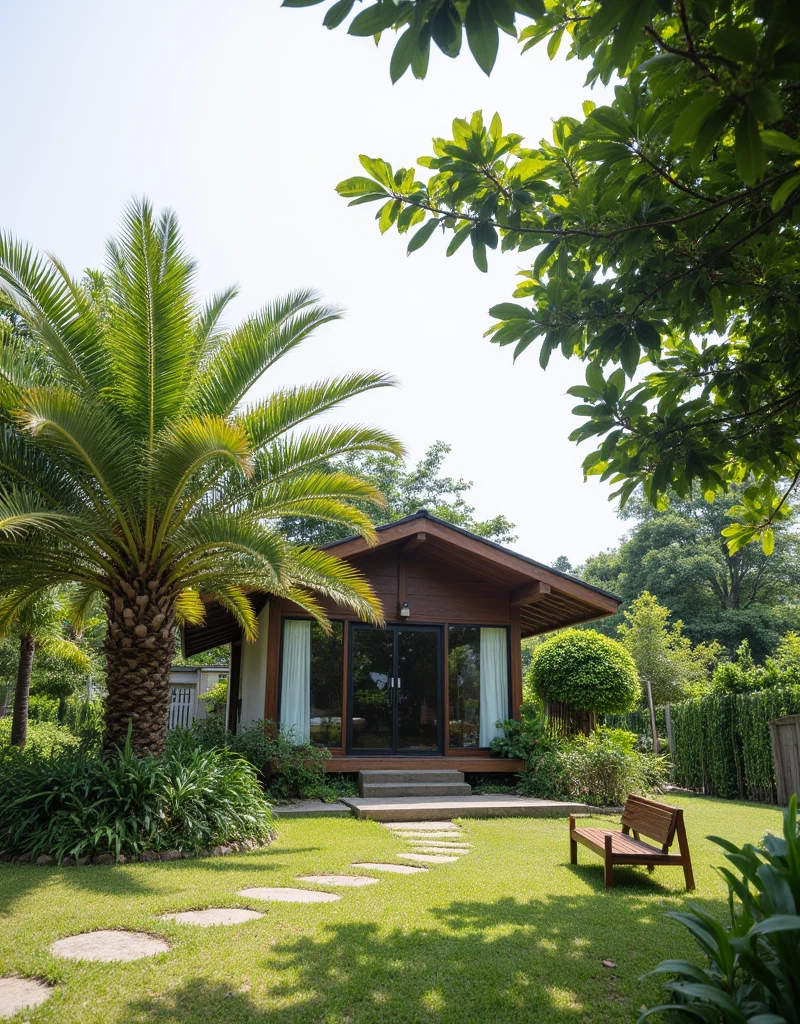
x,y
210,917
286,894
346,881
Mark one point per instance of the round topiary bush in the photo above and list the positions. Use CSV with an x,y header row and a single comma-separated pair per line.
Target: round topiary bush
x,y
586,671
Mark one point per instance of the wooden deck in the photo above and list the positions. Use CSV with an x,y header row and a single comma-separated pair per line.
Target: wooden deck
x,y
465,763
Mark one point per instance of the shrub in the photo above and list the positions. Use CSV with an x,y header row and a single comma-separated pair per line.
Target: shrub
x,y
44,738
215,697
74,803
599,769
288,770
753,961
586,670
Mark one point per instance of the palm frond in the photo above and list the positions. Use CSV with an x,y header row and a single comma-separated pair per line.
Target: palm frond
x,y
236,601
20,513
339,581
189,608
315,448
80,606
215,543
248,352
151,319
282,411
207,332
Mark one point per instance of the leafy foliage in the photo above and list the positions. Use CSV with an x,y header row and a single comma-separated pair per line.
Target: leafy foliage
x,y
753,961
722,741
678,555
663,222
287,770
406,490
664,657
743,675
586,670
215,697
599,769
75,803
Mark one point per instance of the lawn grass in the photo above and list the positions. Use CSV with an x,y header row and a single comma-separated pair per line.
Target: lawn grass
x,y
510,933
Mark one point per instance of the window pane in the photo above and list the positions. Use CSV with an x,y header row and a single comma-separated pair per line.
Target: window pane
x,y
464,683
327,660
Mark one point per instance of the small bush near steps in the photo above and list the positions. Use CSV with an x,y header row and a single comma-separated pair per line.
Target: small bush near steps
x,y
75,804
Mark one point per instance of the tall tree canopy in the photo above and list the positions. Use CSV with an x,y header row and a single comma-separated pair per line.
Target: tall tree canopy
x,y
663,223
406,490
132,466
679,556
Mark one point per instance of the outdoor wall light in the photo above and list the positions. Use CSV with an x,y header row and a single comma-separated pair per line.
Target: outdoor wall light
x,y
405,611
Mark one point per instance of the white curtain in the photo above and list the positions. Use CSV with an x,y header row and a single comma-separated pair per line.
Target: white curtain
x,y
296,679
494,683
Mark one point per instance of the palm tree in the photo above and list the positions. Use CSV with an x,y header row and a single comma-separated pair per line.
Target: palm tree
x,y
39,623
131,464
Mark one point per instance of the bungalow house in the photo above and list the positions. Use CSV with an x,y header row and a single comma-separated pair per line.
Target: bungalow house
x,y
428,688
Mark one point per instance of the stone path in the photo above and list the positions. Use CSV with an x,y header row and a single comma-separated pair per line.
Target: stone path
x,y
108,946
436,842
21,994
286,895
212,916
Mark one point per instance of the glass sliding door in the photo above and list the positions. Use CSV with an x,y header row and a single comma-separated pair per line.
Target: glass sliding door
x,y
395,682
371,682
417,690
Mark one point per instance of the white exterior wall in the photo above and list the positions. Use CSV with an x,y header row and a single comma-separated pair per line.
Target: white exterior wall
x,y
253,683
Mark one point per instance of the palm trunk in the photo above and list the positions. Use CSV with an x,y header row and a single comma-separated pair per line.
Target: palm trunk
x,y
139,646
19,722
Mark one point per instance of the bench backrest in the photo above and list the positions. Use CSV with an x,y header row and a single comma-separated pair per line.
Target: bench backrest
x,y
651,819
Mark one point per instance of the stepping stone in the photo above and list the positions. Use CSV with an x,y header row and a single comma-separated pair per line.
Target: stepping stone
x,y
213,915
21,994
464,847
287,895
108,946
439,851
423,826
428,858
396,869
454,836
349,881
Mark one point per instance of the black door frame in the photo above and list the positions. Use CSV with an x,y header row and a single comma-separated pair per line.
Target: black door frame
x,y
397,628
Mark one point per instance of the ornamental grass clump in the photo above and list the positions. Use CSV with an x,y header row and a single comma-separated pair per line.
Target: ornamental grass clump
x,y
579,674
77,804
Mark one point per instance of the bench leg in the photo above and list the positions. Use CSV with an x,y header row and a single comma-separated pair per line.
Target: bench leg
x,y
683,846
573,846
650,868
609,869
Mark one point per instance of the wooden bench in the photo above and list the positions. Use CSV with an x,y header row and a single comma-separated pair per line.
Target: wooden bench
x,y
641,817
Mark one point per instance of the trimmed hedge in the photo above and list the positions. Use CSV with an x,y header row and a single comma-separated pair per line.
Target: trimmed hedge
x,y
722,741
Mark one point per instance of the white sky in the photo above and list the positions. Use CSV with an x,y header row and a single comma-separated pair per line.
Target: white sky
x,y
243,117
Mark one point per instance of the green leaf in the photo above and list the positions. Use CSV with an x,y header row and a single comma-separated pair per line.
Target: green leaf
x,y
300,3
419,238
629,353
781,141
482,34
510,311
737,44
691,120
787,189
336,14
359,186
765,104
458,239
402,54
718,307
479,250
647,334
594,378
375,19
378,169
768,541
776,923
554,42
751,161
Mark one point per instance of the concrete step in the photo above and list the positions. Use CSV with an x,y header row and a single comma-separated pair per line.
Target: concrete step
x,y
434,775
385,789
491,805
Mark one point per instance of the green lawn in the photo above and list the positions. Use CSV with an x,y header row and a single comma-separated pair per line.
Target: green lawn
x,y
509,933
